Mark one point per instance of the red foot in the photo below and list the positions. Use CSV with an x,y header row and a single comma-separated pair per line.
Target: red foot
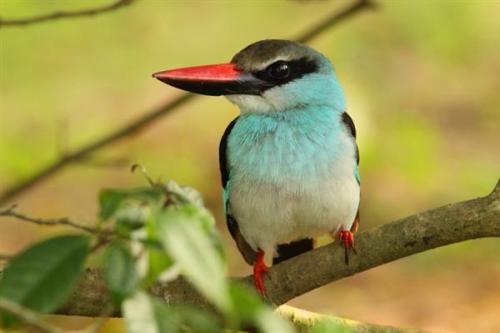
x,y
347,238
259,270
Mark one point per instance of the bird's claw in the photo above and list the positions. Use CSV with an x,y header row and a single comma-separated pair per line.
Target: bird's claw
x,y
347,238
259,271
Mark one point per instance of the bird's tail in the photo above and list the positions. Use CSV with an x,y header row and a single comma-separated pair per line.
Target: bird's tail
x,y
292,249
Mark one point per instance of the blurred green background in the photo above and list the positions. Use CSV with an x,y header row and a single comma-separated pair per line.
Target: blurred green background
x,y
421,79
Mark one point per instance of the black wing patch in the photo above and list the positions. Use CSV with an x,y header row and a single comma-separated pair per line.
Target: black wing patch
x,y
224,168
246,250
347,120
292,249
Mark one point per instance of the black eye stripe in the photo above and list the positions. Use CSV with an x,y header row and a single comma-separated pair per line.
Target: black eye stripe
x,y
297,68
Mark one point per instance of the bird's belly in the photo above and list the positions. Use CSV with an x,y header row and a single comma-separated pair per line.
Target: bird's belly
x,y
271,213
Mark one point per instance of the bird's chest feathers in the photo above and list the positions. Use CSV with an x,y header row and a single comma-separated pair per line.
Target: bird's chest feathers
x,y
297,148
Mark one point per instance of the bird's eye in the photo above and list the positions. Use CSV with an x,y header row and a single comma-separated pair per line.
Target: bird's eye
x,y
279,70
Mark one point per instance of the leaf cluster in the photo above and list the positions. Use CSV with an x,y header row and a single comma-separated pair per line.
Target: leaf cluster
x,y
148,234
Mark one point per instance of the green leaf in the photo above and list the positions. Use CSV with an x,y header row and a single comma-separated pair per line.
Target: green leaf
x,y
195,320
246,303
146,314
142,314
119,271
158,262
188,243
250,310
270,322
42,276
131,217
111,200
139,314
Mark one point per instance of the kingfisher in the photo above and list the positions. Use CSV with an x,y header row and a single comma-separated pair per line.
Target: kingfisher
x,y
289,161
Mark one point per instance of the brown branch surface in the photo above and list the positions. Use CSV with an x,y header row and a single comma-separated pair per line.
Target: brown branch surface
x,y
445,225
149,118
64,14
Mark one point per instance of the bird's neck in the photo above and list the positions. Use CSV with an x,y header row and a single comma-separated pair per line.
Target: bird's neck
x,y
307,117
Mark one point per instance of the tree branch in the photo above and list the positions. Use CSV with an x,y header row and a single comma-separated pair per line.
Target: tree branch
x,y
10,212
335,18
65,14
149,118
445,225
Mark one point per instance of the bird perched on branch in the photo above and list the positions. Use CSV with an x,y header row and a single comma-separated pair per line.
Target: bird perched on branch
x,y
289,162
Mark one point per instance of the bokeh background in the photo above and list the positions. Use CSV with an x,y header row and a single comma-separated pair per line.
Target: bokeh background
x,y
422,81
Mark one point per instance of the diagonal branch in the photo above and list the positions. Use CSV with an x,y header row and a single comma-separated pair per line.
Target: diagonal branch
x,y
330,20
65,14
84,151
150,117
445,225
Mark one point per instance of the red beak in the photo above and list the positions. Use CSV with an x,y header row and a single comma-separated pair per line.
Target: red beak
x,y
214,80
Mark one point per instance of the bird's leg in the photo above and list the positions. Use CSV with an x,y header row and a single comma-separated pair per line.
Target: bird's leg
x,y
347,238
259,270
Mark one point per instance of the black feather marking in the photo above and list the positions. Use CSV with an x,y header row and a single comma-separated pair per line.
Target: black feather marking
x,y
223,165
246,250
347,120
357,155
292,249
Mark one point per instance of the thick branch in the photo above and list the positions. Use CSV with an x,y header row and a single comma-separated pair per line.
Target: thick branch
x,y
149,118
449,224
65,14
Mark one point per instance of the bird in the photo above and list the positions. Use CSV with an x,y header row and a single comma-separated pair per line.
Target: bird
x,y
289,162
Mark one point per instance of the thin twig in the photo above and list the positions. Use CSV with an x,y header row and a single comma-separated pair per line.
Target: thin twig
x,y
11,212
330,20
26,315
64,14
149,118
